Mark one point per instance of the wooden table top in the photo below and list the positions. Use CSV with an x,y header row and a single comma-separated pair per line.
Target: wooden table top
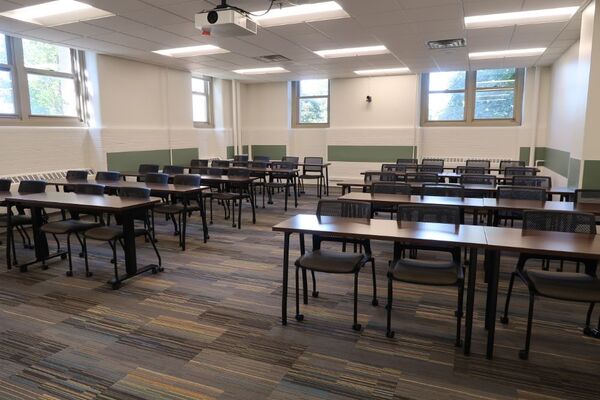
x,y
228,179
384,198
154,187
509,204
80,201
380,229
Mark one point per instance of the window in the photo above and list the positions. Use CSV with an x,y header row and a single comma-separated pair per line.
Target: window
x,y
201,107
311,103
39,82
483,97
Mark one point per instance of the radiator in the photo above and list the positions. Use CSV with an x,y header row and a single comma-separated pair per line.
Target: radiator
x,y
42,176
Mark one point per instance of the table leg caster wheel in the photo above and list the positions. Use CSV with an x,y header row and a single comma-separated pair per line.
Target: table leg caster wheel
x,y
115,285
357,327
315,294
63,256
154,271
504,320
299,317
44,267
375,302
88,274
390,334
69,273
523,355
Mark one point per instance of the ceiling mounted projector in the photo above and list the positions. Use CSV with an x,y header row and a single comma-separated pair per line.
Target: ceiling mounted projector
x,y
225,21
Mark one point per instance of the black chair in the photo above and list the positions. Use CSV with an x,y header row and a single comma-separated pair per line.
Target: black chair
x,y
5,185
439,162
432,169
258,170
334,262
198,166
74,175
146,169
480,164
393,168
109,176
422,177
473,179
236,193
590,196
220,163
313,169
291,159
241,164
510,163
114,234
173,170
578,287
282,177
536,181
75,225
427,272
240,157
389,188
517,193
510,172
446,190
466,169
411,161
371,177
265,159
157,178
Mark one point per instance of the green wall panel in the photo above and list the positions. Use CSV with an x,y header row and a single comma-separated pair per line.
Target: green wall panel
x,y
183,156
591,174
230,152
245,149
524,153
274,152
539,154
555,160
368,153
574,170
130,160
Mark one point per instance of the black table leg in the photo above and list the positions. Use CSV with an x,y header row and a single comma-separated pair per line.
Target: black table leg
x,y
284,294
183,227
472,279
494,266
203,216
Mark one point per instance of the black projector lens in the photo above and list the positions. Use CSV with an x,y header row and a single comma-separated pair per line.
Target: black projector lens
x,y
213,16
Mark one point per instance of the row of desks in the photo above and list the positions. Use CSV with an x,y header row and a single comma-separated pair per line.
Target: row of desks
x,y
492,240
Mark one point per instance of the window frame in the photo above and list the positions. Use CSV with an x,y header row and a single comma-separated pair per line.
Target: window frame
x,y
20,86
470,91
296,107
208,93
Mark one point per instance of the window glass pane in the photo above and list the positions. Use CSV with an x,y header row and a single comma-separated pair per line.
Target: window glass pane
x,y
3,53
494,104
46,56
198,85
496,78
200,108
453,80
313,111
314,87
52,96
7,103
446,106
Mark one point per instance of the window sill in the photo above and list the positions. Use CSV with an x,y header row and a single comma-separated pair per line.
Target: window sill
x,y
43,121
302,126
205,125
479,123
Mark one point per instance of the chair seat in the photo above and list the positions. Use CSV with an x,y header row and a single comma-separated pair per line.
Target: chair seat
x,y
107,233
20,220
228,195
332,261
173,208
311,176
69,226
565,285
427,272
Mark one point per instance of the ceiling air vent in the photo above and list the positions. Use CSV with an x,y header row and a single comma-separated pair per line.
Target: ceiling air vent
x,y
271,58
446,43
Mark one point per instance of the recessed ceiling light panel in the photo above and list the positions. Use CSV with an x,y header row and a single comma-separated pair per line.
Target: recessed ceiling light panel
x,y
57,12
301,13
192,51
520,18
487,55
383,71
353,52
261,71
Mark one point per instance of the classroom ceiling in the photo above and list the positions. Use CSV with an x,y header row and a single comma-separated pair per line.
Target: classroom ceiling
x,y
403,26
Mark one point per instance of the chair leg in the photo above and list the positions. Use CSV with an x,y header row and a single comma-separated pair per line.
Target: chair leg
x,y
390,299
80,243
70,271
524,354
315,292
114,249
240,213
356,326
588,330
459,312
85,256
504,318
374,302
156,251
299,317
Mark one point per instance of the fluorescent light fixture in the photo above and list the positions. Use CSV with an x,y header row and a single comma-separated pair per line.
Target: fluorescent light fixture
x,y
383,71
486,55
261,71
192,51
520,18
353,52
56,13
302,13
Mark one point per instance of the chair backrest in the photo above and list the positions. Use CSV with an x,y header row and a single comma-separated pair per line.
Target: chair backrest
x,y
591,196
478,163
173,169
346,209
521,193
32,187
412,161
291,159
241,172
421,177
240,157
446,190
77,174
5,185
467,169
537,181
315,164
429,213
187,180
89,188
147,168
380,177
241,164
215,171
510,163
559,221
199,163
473,179
392,167
134,192
434,169
259,164
155,177
266,159
433,161
282,165
108,176
390,188
220,163
520,171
